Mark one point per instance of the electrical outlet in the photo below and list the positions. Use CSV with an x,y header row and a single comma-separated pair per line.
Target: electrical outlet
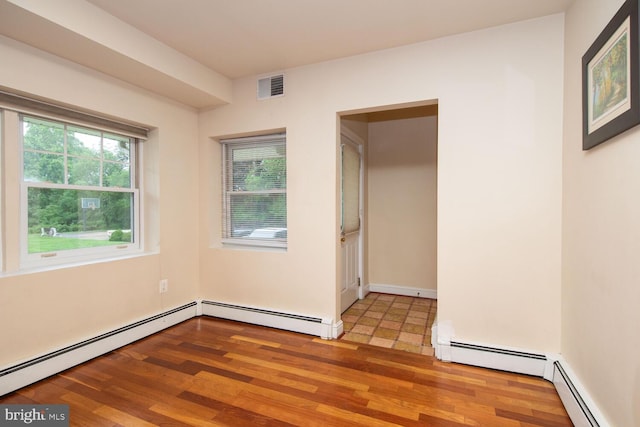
x,y
164,286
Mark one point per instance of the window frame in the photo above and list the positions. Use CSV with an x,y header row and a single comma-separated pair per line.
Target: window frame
x,y
79,255
227,147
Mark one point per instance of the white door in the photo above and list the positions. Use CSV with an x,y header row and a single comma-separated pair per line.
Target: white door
x,y
350,241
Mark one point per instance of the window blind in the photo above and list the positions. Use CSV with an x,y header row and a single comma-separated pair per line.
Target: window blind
x,y
255,185
26,104
350,189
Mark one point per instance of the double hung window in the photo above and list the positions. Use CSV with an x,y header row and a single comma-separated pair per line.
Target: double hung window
x,y
255,191
79,190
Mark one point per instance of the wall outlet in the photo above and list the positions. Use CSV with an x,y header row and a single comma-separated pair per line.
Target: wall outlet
x,y
164,286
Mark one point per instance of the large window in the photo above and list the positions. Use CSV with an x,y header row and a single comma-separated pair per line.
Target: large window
x,y
79,190
255,191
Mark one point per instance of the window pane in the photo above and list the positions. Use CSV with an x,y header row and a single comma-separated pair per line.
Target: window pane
x,y
350,189
116,175
41,167
116,148
83,171
80,189
255,189
60,219
259,168
258,216
83,142
42,135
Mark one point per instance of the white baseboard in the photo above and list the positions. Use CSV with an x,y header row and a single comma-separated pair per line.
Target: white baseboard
x,y
364,290
338,329
403,290
504,359
30,371
449,349
324,328
580,407
576,400
27,372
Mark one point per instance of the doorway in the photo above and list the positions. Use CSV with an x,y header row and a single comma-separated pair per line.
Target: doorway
x,y
399,208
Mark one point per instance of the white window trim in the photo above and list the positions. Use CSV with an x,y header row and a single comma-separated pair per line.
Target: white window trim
x,y
84,255
19,260
254,243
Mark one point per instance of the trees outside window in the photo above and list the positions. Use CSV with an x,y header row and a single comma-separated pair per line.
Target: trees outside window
x,y
78,181
255,185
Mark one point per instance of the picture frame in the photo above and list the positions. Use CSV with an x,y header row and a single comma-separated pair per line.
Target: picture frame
x,y
611,79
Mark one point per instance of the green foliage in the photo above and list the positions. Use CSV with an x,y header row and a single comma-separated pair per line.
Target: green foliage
x,y
250,211
116,236
62,209
120,236
89,158
268,174
609,78
116,175
44,155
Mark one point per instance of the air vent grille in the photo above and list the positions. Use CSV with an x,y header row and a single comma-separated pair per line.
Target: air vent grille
x,y
270,87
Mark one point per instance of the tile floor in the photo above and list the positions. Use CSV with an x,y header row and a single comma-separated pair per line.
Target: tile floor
x,y
391,321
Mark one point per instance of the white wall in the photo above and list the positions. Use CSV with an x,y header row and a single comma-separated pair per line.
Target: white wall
x,y
45,310
402,172
601,241
499,181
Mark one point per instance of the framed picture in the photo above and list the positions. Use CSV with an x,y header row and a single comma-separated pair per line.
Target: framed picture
x,y
611,80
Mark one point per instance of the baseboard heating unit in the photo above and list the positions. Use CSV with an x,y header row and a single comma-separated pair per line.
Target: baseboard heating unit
x,y
498,358
581,409
32,370
274,319
573,400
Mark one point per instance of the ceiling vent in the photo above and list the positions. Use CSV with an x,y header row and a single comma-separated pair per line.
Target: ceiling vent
x,y
270,87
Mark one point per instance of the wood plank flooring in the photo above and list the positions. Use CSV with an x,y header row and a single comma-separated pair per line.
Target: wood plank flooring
x,y
212,372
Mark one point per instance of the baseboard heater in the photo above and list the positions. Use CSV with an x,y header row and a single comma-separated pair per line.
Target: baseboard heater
x,y
572,400
33,370
498,358
577,405
274,319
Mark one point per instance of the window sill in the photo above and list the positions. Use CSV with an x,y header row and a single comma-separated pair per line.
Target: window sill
x,y
72,263
258,245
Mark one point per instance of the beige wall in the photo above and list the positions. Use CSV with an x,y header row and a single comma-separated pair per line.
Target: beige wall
x,y
601,241
45,310
301,279
499,179
401,214
500,95
505,182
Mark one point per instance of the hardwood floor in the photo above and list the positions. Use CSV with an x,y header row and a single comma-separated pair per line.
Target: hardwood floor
x,y
212,372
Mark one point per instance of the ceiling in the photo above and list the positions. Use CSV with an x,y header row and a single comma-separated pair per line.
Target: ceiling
x,y
246,37
221,40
